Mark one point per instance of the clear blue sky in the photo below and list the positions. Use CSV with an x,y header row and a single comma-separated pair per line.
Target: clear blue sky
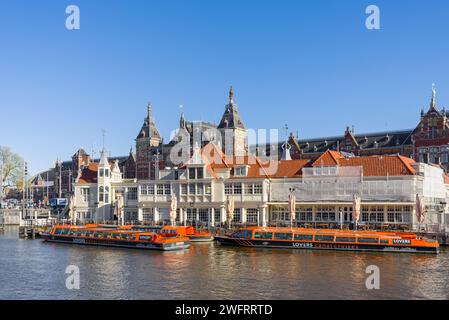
x,y
311,64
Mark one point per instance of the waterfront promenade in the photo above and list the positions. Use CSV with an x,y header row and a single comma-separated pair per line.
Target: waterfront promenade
x,y
36,270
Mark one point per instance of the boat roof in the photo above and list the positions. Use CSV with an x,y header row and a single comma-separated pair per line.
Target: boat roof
x,y
354,233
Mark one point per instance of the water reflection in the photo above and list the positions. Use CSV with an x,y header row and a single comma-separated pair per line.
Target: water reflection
x,y
36,270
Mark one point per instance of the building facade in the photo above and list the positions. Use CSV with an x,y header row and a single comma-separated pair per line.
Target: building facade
x,y
386,169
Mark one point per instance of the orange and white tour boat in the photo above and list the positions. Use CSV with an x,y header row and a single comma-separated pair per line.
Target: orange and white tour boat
x,y
329,239
125,237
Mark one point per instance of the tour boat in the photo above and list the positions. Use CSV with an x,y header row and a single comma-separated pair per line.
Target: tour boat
x,y
126,237
329,239
187,231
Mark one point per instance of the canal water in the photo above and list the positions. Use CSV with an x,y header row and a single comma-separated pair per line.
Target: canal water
x,y
32,269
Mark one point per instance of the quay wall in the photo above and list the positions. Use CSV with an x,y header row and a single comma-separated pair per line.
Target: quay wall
x,y
12,216
9,217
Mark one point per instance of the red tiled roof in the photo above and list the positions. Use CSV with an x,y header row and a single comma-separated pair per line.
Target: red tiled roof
x,y
328,158
381,165
89,174
389,165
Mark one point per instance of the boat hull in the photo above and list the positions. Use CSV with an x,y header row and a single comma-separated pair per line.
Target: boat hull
x,y
173,246
229,241
201,238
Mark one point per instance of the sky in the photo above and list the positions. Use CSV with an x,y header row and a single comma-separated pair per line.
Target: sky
x,y
310,64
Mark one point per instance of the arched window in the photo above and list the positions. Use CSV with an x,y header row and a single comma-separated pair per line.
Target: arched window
x,y
106,194
101,195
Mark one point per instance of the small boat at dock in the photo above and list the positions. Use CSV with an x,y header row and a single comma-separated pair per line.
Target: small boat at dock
x,y
329,239
125,237
187,231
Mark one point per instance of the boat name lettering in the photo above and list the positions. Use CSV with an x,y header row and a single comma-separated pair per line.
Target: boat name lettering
x,y
302,245
401,241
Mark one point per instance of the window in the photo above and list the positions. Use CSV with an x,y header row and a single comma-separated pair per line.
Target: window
x,y
237,188
144,190
432,132
251,215
369,240
131,194
248,188
203,215
323,238
217,216
345,239
237,215
199,173
192,189
365,215
192,173
208,188
191,214
101,194
280,214
106,172
399,214
240,171
85,194
167,189
243,234
150,189
258,188
148,214
101,171
183,189
199,188
282,236
160,189
325,214
304,214
263,235
228,188
303,237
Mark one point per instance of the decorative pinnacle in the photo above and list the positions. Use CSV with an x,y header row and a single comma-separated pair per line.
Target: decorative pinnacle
x,y
149,110
231,95
434,92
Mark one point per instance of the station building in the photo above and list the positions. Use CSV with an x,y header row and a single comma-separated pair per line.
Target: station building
x,y
386,170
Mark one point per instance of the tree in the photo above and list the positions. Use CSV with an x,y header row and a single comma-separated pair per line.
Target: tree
x,y
12,166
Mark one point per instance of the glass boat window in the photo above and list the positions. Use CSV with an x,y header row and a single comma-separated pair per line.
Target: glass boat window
x,y
243,234
369,240
263,235
58,231
283,236
303,237
324,238
146,238
169,231
345,239
384,241
72,232
64,231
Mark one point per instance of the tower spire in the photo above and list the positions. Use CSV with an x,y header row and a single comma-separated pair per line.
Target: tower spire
x,y
149,112
231,95
432,101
